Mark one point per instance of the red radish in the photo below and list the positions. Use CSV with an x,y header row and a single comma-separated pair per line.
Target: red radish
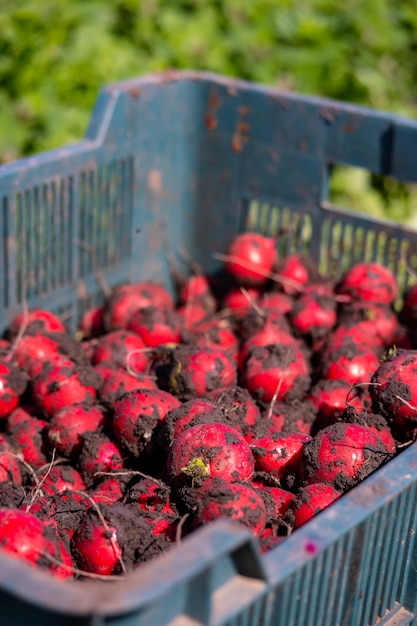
x,y
13,383
409,310
276,301
107,491
313,317
33,350
62,512
136,415
92,322
120,382
60,386
213,334
105,370
67,427
377,423
265,426
343,455
330,398
191,413
197,289
124,537
237,404
352,363
25,537
254,323
95,547
63,556
268,541
279,454
98,454
38,367
363,333
322,287
369,282
276,371
163,528
238,303
89,348
28,437
295,272
122,348
251,258
126,299
156,326
61,478
394,388
312,499
151,495
9,465
20,415
214,450
277,500
195,371
4,347
38,321
163,525
268,336
297,416
238,501
192,314
381,316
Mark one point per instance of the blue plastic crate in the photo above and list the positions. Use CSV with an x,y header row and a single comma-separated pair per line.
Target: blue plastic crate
x,y
199,158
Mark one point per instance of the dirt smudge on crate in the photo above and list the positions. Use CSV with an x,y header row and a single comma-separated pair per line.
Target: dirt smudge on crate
x,y
328,114
365,496
351,127
154,236
82,291
155,181
284,104
412,464
243,110
168,76
134,92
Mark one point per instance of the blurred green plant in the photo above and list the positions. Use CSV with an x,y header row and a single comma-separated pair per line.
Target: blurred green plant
x,y
55,55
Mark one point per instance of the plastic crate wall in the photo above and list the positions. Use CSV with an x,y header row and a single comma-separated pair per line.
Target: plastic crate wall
x,y
185,161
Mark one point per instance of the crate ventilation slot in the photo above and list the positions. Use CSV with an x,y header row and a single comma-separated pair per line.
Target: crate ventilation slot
x,y
293,229
43,224
105,216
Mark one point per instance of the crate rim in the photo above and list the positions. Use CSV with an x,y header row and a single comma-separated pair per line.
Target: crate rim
x,y
139,589
107,95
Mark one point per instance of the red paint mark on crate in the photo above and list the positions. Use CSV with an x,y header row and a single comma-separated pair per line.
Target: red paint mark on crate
x,y
214,102
310,547
240,136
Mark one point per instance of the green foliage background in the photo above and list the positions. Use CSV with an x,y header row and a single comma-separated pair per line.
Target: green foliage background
x,y
56,54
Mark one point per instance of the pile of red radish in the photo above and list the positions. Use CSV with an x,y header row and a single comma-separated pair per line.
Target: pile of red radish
x,y
262,395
